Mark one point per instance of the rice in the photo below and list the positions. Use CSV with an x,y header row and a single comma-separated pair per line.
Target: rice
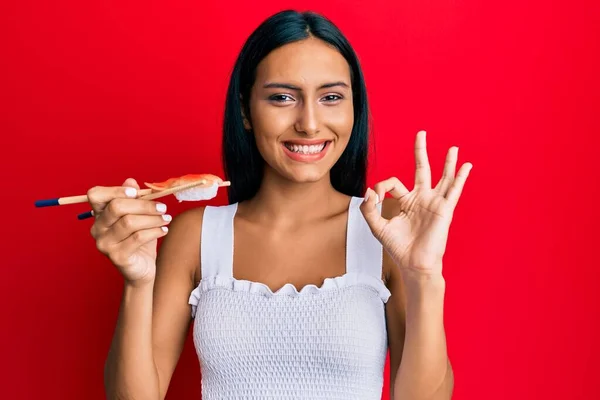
x,y
198,193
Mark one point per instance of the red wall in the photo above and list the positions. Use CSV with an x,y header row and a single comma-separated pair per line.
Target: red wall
x,y
95,92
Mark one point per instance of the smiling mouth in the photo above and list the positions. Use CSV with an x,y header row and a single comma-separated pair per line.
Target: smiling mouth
x,y
306,149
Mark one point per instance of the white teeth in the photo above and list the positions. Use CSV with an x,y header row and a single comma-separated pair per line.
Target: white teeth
x,y
305,149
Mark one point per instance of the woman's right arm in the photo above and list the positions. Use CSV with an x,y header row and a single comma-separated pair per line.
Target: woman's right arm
x,y
154,314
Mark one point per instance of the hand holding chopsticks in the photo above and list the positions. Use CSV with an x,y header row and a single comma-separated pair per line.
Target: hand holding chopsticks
x,y
126,229
128,222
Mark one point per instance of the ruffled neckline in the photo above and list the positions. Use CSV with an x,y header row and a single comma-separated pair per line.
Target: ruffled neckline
x,y
329,284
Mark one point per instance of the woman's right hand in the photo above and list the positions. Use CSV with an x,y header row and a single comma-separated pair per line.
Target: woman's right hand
x,y
126,229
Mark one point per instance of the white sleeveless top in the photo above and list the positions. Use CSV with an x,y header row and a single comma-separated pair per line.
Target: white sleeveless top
x,y
327,342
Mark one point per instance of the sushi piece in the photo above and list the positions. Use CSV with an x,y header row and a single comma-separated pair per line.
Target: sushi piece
x,y
205,191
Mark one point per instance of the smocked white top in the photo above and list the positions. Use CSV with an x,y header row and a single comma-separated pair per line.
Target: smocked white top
x,y
327,342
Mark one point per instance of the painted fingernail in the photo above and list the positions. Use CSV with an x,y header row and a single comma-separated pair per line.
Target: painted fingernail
x,y
164,228
376,198
166,217
160,207
130,192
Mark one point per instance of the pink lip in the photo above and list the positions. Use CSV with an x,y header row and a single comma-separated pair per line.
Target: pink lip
x,y
306,157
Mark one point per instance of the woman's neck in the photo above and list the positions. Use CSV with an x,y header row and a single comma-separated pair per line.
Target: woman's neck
x,y
282,202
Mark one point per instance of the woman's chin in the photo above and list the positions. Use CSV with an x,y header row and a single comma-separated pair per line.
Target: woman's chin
x,y
307,174
301,172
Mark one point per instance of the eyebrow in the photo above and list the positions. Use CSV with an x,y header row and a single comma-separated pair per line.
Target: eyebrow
x,y
278,85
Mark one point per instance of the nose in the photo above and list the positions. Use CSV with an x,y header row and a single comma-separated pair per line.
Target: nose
x,y
307,121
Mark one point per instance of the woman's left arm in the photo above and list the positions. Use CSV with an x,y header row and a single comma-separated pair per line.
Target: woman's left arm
x,y
419,363
413,229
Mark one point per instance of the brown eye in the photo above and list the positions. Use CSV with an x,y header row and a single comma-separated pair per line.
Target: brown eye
x,y
332,97
280,98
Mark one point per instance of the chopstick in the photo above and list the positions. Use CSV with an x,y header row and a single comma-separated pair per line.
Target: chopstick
x,y
162,193
61,201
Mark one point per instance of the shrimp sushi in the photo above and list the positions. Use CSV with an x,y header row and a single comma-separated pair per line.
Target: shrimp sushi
x,y
205,191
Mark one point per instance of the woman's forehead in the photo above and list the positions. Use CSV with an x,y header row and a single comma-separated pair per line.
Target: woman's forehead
x,y
305,63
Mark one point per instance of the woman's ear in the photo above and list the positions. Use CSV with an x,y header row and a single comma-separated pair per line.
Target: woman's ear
x,y
247,125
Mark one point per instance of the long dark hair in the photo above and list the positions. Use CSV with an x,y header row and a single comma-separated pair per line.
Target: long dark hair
x,y
242,162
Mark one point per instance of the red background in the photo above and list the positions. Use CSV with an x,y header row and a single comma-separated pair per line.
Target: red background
x,y
95,93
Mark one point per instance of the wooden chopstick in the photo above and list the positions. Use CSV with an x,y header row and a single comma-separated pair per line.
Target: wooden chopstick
x,y
82,198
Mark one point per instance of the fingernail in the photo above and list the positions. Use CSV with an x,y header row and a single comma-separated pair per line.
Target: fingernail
x,y
164,228
367,193
166,217
160,207
130,192
376,198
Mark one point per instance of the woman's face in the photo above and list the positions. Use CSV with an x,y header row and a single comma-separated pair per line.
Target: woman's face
x,y
301,109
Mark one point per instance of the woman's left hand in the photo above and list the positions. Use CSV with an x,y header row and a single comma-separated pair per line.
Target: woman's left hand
x,y
416,235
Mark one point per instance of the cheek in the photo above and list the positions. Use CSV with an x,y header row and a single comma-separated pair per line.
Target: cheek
x,y
270,122
265,145
267,125
341,121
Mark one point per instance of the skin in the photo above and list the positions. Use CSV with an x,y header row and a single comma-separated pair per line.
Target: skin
x,y
288,233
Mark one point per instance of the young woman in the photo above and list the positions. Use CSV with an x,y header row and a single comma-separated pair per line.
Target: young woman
x,y
299,286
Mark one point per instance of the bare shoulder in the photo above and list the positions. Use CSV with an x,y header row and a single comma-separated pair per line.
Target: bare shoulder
x,y
180,248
